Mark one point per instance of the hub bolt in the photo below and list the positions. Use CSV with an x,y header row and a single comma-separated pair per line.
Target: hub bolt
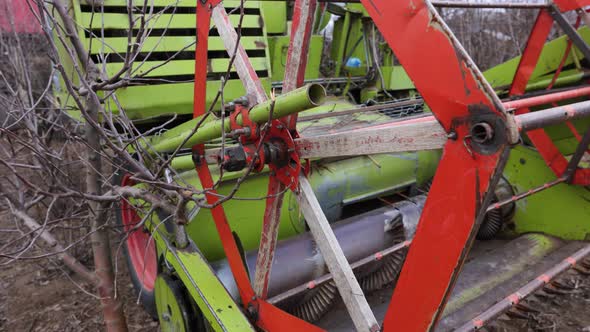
x,y
482,133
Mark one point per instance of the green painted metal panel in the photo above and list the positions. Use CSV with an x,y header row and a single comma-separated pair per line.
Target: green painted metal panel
x,y
169,44
563,137
178,67
278,48
157,21
397,78
275,16
150,101
146,102
357,8
562,210
336,183
341,28
566,77
549,60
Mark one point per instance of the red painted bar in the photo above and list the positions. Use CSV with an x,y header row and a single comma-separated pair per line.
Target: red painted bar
x,y
546,99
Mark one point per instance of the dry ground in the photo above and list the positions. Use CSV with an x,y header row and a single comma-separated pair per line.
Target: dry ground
x,y
568,310
39,295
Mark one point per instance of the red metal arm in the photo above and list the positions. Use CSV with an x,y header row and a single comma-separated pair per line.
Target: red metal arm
x,y
567,5
229,245
459,97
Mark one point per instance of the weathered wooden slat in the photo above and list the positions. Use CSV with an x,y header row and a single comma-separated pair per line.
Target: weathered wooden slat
x,y
386,138
157,21
180,67
303,15
352,295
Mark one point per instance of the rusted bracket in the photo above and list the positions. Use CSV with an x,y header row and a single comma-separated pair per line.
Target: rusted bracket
x,y
249,131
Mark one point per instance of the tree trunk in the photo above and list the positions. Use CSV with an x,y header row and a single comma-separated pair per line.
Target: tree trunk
x,y
112,308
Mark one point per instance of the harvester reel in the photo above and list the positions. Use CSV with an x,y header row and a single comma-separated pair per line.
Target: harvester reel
x,y
470,123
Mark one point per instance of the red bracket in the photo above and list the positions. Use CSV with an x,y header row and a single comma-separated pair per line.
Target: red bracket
x,y
247,123
286,172
250,150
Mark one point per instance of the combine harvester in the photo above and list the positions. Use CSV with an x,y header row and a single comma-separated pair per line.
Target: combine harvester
x,y
345,221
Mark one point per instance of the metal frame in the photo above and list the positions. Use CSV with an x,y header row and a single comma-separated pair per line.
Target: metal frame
x,y
554,159
476,132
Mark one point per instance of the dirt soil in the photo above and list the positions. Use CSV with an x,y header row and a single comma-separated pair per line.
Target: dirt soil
x,y
564,308
39,295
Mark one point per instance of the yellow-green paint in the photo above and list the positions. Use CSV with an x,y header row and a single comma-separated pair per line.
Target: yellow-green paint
x,y
278,48
218,307
334,183
542,246
549,60
562,211
274,14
